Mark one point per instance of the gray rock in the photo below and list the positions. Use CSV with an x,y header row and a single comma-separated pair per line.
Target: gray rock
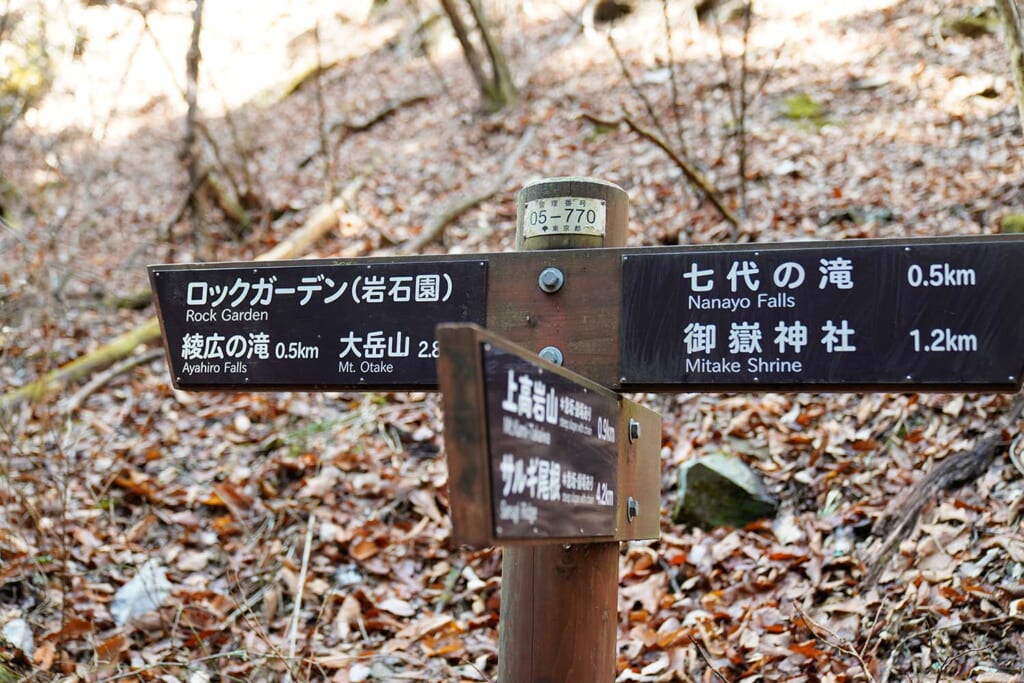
x,y
720,490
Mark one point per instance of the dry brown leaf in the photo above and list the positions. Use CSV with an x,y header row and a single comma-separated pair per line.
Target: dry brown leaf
x,y
110,649
74,629
347,616
648,593
44,655
363,549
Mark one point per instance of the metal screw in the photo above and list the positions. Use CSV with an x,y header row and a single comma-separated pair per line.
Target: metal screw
x,y
634,430
552,354
632,509
551,280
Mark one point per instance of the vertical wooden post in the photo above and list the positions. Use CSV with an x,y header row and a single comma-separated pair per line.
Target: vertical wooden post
x,y
559,603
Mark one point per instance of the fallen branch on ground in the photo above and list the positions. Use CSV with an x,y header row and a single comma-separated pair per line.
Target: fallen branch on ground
x,y
955,471
689,169
362,126
322,220
434,228
110,373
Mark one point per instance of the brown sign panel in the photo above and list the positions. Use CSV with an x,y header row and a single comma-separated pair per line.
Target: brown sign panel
x,y
313,324
552,451
903,314
537,453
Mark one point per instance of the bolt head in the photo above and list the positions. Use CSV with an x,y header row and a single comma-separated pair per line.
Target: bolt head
x,y
632,509
634,430
551,280
552,354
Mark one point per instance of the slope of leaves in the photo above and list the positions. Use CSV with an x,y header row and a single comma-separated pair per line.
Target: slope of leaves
x,y
306,535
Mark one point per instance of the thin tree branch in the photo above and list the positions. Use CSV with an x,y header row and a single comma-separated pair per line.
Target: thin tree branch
x,y
635,87
436,225
672,77
692,173
293,629
748,11
834,641
75,402
348,127
501,78
469,51
418,34
707,660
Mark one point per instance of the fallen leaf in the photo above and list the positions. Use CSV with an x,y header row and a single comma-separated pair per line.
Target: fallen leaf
x,y
400,608
109,650
348,615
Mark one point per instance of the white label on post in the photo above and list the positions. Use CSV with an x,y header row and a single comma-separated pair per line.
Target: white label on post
x,y
564,216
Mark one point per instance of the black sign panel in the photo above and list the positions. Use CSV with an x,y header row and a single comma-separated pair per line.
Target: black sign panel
x,y
552,451
313,324
900,313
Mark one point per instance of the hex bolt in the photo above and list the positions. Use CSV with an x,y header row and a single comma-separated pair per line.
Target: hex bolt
x,y
552,354
551,280
634,430
632,509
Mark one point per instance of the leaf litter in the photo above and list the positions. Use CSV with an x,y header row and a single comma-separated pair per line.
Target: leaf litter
x,y
159,535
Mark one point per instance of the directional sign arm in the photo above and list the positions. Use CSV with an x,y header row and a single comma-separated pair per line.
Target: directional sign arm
x,y
854,315
568,471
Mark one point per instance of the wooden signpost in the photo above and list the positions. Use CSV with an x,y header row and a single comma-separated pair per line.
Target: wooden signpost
x,y
554,465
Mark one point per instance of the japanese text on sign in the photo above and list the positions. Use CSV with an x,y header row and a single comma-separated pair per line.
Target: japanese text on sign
x,y
883,313
314,322
552,450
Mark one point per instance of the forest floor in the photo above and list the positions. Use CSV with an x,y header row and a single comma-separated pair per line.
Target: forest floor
x,y
872,118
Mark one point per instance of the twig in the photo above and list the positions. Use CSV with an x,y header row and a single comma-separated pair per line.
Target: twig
x,y
469,51
1015,450
502,86
834,641
955,656
449,587
672,76
321,113
348,127
110,373
253,183
293,636
436,225
691,172
648,107
958,625
386,112
165,229
748,12
707,660
466,661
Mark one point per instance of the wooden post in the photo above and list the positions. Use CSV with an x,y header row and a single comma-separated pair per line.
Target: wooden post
x,y
559,603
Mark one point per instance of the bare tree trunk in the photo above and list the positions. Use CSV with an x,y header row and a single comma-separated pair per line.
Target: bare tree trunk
x,y
192,59
1013,27
497,88
503,90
